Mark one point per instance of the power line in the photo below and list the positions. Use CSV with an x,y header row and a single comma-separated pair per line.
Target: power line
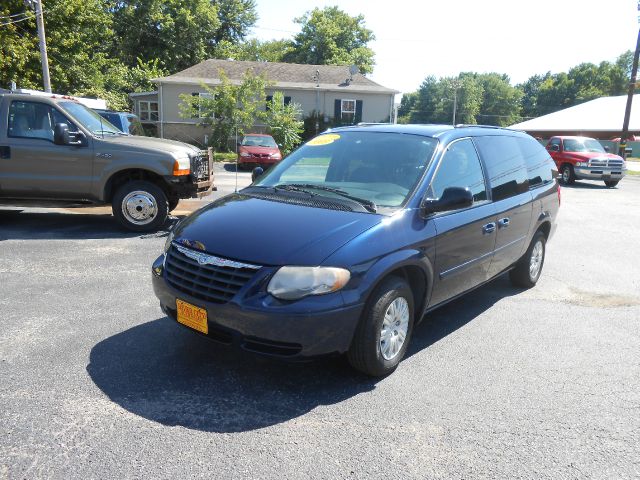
x,y
13,22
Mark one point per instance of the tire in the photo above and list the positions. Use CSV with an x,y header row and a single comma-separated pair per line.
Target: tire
x,y
526,274
368,352
567,174
140,206
173,203
611,183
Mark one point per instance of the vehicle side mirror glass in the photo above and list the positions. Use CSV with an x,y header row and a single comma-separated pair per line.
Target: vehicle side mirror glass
x,y
555,148
61,134
453,198
256,173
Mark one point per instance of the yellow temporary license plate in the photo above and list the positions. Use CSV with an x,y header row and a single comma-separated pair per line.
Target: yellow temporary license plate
x,y
192,316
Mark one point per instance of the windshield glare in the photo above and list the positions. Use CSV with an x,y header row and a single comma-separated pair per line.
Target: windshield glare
x,y
89,119
379,167
258,141
582,145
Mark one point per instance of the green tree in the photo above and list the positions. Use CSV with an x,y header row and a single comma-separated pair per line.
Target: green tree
x,y
235,17
530,90
500,100
179,33
330,36
255,50
284,122
228,108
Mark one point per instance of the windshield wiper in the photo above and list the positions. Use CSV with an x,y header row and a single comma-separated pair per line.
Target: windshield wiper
x,y
102,132
368,204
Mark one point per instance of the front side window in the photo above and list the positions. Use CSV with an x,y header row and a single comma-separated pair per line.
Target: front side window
x,y
379,167
148,111
34,120
348,111
459,167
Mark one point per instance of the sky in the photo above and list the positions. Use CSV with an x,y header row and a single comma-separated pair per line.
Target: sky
x,y
415,39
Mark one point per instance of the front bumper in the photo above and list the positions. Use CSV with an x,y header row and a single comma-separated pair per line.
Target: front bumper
x,y
255,321
600,173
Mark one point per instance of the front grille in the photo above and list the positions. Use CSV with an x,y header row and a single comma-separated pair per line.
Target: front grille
x,y
211,283
201,165
611,163
260,155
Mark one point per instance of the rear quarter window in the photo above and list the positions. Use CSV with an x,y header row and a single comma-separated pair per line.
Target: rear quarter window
x,y
505,165
540,166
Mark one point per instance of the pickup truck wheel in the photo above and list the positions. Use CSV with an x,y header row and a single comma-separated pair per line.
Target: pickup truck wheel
x,y
529,267
611,183
384,331
568,175
140,206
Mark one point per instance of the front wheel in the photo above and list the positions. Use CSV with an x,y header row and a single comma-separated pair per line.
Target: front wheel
x,y
568,175
140,206
384,331
529,267
611,183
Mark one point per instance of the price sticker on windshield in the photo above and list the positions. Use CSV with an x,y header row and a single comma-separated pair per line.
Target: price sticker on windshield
x,y
324,139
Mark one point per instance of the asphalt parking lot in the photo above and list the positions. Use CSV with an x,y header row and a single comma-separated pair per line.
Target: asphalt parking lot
x,y
95,382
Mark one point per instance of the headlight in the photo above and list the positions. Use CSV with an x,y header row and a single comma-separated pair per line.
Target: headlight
x,y
167,244
582,164
275,155
291,283
245,154
182,166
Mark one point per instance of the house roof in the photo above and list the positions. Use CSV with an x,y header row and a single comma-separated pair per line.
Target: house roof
x,y
285,75
604,114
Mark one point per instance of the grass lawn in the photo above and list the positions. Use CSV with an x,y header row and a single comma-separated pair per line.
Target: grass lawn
x,y
224,157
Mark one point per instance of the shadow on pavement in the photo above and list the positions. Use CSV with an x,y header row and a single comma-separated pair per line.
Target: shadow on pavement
x,y
586,185
167,374
452,316
28,225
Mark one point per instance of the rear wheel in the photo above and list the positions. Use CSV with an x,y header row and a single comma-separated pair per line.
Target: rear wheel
x,y
384,331
529,267
568,175
611,183
140,206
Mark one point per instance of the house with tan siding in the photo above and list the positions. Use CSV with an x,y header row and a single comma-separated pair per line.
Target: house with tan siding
x,y
338,95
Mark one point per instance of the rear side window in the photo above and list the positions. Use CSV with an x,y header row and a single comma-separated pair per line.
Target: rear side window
x,y
540,166
459,167
507,171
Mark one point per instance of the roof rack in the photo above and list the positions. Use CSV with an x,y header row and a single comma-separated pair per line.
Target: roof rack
x,y
364,124
466,125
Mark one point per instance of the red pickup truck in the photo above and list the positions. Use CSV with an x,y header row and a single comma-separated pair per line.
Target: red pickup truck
x,y
585,158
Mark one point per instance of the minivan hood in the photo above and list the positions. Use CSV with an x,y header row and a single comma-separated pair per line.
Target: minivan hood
x,y
266,232
151,143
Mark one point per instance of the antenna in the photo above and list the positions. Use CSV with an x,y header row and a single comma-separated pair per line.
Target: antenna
x,y
353,70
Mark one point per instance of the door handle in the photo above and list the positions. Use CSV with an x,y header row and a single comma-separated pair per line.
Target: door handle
x,y
489,228
5,152
503,222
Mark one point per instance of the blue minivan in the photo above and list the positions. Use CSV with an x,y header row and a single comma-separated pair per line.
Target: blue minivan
x,y
347,243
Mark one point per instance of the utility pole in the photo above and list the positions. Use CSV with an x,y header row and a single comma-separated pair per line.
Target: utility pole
x,y
37,6
456,85
632,86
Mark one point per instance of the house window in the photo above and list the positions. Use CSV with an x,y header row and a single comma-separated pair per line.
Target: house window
x,y
348,111
148,111
286,101
202,111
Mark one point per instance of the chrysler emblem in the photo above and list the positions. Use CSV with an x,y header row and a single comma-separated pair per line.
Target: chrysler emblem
x,y
206,259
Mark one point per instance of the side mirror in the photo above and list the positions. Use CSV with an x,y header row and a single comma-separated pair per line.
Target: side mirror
x,y
453,198
555,148
61,134
256,173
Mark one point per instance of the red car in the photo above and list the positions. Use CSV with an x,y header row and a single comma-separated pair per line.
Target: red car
x,y
258,150
584,158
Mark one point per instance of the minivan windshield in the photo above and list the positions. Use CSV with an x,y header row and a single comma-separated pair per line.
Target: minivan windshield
x,y
582,145
377,169
89,119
